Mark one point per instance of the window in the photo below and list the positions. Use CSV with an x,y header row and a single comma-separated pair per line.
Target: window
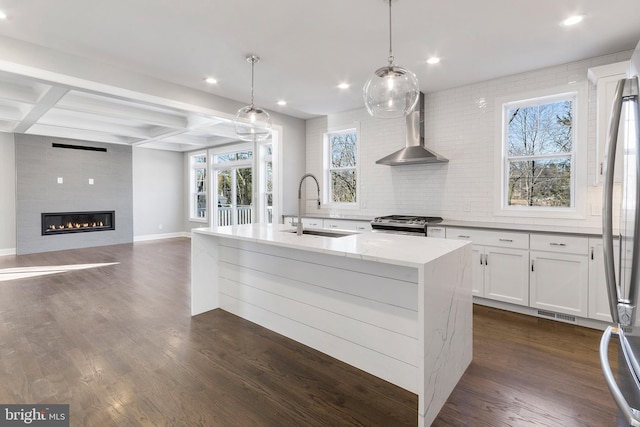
x,y
539,153
266,183
234,185
341,167
198,193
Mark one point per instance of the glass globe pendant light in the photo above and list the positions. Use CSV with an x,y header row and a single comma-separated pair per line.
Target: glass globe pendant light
x,y
252,123
392,91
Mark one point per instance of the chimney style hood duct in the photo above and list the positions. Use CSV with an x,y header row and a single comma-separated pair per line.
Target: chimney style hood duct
x,y
414,152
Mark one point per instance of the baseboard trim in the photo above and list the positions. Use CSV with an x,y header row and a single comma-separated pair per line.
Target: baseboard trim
x,y
579,321
160,236
8,251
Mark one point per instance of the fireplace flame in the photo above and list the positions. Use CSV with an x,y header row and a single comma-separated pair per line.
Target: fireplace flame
x,y
76,225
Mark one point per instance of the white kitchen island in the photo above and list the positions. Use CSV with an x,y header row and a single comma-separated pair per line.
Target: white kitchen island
x,y
398,307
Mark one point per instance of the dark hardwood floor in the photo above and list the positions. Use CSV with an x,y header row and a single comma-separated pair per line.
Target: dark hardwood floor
x,y
118,344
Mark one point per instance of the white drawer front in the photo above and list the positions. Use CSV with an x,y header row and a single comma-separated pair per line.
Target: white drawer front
x,y
559,243
344,224
312,223
505,239
436,232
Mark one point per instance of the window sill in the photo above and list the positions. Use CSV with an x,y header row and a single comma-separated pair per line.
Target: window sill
x,y
201,220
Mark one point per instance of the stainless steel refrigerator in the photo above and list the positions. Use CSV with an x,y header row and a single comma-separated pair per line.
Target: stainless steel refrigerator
x,y
623,280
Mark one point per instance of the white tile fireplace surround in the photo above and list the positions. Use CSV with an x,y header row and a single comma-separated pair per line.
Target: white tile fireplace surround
x,y
76,182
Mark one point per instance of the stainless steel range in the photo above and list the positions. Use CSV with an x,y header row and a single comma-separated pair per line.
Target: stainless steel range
x,y
404,224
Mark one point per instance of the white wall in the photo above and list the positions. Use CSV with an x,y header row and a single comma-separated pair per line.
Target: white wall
x,y
7,194
158,193
459,125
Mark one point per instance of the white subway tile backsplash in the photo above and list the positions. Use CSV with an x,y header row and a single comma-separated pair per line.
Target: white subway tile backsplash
x,y
459,125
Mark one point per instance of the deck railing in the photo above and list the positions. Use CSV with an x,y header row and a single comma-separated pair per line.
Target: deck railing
x,y
225,215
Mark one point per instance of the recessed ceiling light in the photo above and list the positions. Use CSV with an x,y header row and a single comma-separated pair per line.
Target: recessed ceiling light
x,y
211,80
433,60
344,86
3,15
282,102
572,20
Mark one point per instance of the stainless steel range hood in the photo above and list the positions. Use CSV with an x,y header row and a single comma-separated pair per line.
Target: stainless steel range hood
x,y
414,151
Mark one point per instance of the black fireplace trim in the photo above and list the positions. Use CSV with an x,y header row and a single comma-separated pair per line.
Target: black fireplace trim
x,y
48,232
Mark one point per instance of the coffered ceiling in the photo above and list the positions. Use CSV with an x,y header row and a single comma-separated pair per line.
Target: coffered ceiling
x,y
306,47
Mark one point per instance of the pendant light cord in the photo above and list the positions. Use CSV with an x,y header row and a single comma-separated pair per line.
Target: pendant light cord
x,y
390,50
253,63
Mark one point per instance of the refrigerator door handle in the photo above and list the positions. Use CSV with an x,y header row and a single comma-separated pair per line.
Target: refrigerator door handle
x,y
630,414
607,202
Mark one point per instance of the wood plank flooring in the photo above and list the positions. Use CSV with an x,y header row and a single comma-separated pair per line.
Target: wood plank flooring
x,y
118,344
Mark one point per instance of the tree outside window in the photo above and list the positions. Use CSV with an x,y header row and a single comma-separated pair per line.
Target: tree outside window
x,y
539,153
342,179
234,187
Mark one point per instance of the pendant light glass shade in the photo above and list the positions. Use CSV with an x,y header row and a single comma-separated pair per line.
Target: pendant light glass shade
x,y
392,91
252,123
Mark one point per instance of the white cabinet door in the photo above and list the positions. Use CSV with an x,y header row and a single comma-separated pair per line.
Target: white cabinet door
x,y
559,282
506,275
606,78
477,270
499,273
598,298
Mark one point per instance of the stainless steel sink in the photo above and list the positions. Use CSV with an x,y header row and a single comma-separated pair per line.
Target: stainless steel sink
x,y
323,233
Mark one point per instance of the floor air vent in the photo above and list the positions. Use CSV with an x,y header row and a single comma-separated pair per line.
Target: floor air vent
x,y
559,316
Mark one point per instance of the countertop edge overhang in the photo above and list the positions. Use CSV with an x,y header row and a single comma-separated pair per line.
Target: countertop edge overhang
x,y
388,248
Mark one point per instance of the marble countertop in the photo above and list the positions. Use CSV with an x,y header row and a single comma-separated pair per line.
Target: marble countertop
x,y
410,251
537,228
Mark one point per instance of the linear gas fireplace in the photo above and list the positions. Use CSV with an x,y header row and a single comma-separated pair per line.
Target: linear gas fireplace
x,y
77,222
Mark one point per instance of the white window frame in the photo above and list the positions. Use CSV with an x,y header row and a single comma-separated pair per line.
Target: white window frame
x,y
193,194
261,202
579,93
215,167
326,156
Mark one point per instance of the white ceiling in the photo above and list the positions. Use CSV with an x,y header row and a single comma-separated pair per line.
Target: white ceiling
x,y
306,49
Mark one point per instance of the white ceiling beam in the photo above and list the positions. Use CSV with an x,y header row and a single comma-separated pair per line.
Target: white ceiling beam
x,y
161,136
121,110
45,103
86,135
10,112
18,92
72,120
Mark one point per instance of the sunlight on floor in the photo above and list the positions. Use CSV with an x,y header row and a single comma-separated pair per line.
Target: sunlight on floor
x,y
25,272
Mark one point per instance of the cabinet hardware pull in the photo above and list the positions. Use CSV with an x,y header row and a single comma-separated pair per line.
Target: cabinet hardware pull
x,y
557,244
486,259
463,236
592,253
506,240
531,265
